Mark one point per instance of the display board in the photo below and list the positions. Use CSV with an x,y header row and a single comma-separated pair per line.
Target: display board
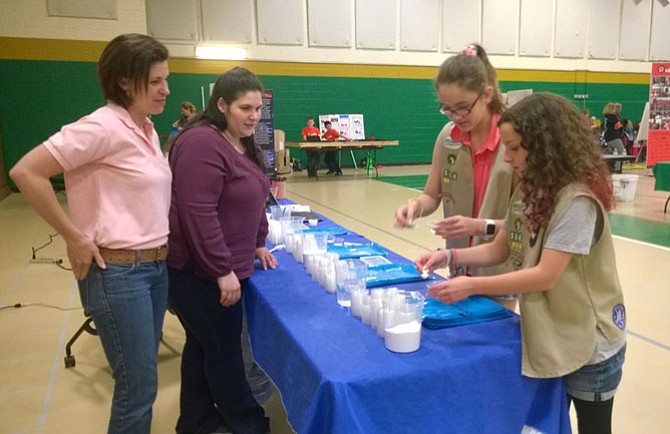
x,y
658,137
265,132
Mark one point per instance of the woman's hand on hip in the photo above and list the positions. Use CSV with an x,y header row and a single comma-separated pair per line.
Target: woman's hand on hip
x,y
229,286
82,252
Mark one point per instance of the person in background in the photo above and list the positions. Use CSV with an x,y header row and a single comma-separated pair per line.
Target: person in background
x,y
558,235
187,109
312,157
309,130
613,129
330,157
217,230
116,229
467,173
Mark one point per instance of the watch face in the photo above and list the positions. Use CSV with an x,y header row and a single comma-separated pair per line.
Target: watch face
x,y
490,228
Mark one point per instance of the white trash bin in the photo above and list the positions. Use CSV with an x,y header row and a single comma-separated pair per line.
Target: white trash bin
x,y
624,186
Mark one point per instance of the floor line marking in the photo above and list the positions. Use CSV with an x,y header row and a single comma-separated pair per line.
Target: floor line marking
x,y
649,340
56,365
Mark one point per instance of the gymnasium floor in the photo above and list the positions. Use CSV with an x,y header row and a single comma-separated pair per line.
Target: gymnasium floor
x,y
38,395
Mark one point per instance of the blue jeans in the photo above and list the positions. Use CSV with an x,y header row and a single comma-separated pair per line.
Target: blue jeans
x,y
127,303
596,382
214,387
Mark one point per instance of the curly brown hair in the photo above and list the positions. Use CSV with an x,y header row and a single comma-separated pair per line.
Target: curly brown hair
x,y
561,151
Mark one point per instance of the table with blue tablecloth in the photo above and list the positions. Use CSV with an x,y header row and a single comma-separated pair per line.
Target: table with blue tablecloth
x,y
335,375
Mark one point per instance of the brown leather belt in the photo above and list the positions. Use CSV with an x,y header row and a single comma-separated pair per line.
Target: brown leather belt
x,y
120,256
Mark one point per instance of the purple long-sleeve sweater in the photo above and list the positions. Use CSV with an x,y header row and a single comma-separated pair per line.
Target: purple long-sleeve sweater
x,y
217,214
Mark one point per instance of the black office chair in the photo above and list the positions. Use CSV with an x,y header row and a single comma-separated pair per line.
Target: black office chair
x,y
88,327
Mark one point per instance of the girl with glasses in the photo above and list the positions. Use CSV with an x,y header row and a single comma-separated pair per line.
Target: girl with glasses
x,y
467,175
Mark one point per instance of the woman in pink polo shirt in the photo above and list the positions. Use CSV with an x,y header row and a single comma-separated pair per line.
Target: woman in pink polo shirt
x,y
118,191
467,174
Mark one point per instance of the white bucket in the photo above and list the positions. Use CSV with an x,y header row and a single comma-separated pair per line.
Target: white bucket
x,y
624,186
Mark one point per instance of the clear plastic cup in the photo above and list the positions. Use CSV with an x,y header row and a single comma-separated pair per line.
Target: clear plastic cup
x,y
351,275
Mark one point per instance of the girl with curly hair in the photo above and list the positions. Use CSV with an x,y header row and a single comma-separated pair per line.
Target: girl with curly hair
x,y
557,235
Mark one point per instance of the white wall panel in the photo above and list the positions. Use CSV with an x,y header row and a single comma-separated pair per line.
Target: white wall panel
x,y
173,19
500,22
461,24
536,28
29,19
227,20
419,25
328,23
571,21
280,22
376,24
635,24
605,29
104,9
660,32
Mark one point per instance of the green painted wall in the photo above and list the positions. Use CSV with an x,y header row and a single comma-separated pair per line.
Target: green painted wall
x,y
37,97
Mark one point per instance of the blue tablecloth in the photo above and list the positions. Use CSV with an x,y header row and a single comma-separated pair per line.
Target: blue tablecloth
x,y
335,375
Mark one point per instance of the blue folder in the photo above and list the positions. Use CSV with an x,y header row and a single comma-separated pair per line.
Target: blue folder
x,y
392,274
471,310
356,250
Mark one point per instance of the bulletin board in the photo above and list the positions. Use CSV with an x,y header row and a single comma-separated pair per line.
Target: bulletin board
x,y
658,137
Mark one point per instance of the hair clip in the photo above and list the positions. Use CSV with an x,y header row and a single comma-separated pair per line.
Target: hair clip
x,y
470,50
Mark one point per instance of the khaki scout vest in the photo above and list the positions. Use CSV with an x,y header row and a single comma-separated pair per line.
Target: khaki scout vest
x,y
559,325
457,192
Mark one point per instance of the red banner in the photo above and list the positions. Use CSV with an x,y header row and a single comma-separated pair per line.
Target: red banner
x,y
658,140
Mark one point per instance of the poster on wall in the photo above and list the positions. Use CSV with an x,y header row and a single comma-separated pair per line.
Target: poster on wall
x,y
658,136
265,132
350,126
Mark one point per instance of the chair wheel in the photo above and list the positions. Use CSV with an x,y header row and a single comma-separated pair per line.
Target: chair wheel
x,y
69,361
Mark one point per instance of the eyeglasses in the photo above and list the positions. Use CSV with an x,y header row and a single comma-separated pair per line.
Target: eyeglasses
x,y
460,112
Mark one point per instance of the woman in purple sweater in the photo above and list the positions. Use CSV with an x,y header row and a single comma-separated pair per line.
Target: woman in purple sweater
x,y
217,230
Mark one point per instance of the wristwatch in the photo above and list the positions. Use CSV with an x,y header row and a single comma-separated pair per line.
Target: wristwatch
x,y
489,229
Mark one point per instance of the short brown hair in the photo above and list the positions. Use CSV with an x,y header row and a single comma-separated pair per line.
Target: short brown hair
x,y
129,57
188,106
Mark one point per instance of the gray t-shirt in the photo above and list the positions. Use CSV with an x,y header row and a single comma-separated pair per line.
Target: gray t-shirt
x,y
574,232
574,229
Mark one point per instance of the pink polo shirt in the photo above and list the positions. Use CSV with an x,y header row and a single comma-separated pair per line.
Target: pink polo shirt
x,y
116,177
482,160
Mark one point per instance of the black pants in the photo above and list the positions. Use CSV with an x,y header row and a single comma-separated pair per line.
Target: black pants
x,y
313,158
593,417
330,158
214,388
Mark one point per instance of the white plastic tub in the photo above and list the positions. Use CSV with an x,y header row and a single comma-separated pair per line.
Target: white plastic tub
x,y
624,186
